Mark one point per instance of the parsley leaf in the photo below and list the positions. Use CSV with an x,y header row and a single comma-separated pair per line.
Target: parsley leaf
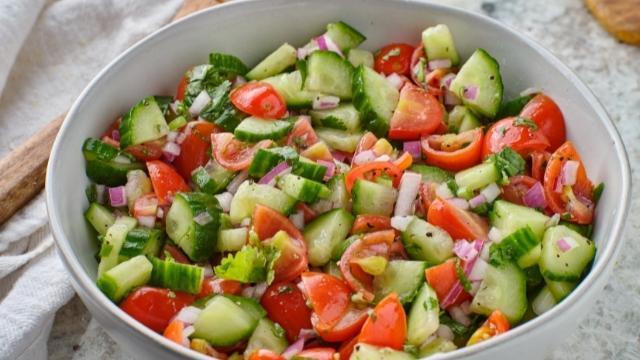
x,y
220,110
522,121
508,163
597,192
334,123
249,265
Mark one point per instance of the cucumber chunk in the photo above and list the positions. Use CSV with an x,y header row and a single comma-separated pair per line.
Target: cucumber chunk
x,y
232,239
107,165
462,119
403,277
328,73
249,305
504,288
309,169
223,323
142,241
543,302
339,140
375,98
176,276
344,117
324,233
99,217
267,335
482,72
212,179
196,238
373,198
122,278
568,266
278,61
364,351
359,57
266,159
144,122
432,173
509,217
302,189
112,243
477,177
254,129
424,316
427,242
438,44
522,246
344,35
561,289
289,85
249,194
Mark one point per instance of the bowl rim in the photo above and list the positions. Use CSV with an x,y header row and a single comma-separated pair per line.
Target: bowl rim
x,y
82,280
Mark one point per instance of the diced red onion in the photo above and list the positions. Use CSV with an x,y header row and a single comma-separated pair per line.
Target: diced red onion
x,y
443,192
160,213
270,177
457,288
331,168
495,234
470,92
553,221
239,80
237,181
115,135
460,203
364,157
400,223
439,64
339,155
445,332
491,192
181,136
408,190
203,218
566,243
188,314
324,102
304,51
569,172
117,196
450,98
326,43
172,136
100,190
171,148
534,197
479,268
446,80
294,349
308,333
199,103
458,315
225,200
297,219
477,200
396,80
146,221
529,91
413,148
465,250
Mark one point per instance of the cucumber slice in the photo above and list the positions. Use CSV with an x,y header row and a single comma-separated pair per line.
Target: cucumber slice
x,y
344,117
364,351
328,73
266,159
437,346
438,44
339,140
359,57
424,316
220,310
122,278
561,289
558,265
432,173
339,196
509,217
138,184
324,233
112,243
403,277
232,239
504,288
344,35
302,189
372,198
99,217
196,238
249,194
254,129
144,122
267,335
543,302
289,85
142,241
462,119
375,98
309,169
522,246
427,242
212,179
250,305
107,165
477,177
483,72
176,276
278,61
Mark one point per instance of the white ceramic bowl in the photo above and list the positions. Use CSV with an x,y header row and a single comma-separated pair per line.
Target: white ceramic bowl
x,y
250,29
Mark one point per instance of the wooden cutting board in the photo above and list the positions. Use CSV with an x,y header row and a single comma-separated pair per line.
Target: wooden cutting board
x,y
23,170
621,18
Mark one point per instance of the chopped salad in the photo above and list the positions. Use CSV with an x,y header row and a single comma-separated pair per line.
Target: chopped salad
x,y
334,203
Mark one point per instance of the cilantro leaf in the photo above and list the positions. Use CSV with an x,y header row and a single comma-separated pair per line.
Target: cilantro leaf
x,y
220,110
464,281
508,163
597,192
523,121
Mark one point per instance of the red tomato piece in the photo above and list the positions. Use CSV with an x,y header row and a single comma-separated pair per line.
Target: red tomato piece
x,y
495,324
539,161
346,349
394,58
234,154
177,254
347,327
220,286
146,205
517,187
182,88
259,99
151,150
460,224
155,307
174,332
387,327
548,116
285,304
370,223
453,152
442,278
404,161
194,150
426,195
367,141
165,180
370,171
324,353
307,211
523,139
417,114
263,354
302,135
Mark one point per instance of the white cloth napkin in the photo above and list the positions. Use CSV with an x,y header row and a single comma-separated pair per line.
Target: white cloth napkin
x,y
49,51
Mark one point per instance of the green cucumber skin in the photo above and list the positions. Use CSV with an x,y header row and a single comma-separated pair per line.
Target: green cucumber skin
x,y
328,73
254,129
238,324
424,316
556,265
101,167
504,288
438,44
344,35
266,159
176,276
290,86
142,241
99,217
372,198
112,243
276,62
147,110
302,189
214,181
267,335
324,233
376,119
121,279
309,170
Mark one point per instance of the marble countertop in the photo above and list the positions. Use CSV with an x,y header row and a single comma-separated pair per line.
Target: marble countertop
x,y
612,70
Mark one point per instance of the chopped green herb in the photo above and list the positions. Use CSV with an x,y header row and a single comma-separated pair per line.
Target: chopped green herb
x,y
508,163
464,281
597,193
522,121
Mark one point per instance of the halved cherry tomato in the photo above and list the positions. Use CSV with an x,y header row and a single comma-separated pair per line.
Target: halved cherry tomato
x,y
394,58
178,255
417,114
285,305
219,286
234,154
329,296
404,161
548,116
539,161
576,200
307,211
151,150
460,224
453,152
324,353
263,354
347,327
302,135
366,142
426,195
174,332
517,187
165,180
370,171
387,326
196,147
442,278
146,205
495,324
370,223
346,349
293,255
523,139
182,88
259,99
155,307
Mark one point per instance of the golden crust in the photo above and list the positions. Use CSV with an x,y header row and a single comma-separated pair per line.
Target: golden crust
x,y
621,18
